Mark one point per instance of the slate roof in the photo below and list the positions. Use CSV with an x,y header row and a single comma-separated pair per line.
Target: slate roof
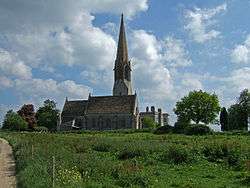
x,y
74,108
112,104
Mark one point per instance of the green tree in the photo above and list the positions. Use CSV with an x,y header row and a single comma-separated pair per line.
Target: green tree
x,y
13,121
237,117
224,119
198,106
148,122
47,115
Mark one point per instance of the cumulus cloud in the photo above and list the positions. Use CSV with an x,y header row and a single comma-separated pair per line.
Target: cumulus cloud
x,y
241,52
199,22
175,53
5,82
239,79
11,66
37,90
150,74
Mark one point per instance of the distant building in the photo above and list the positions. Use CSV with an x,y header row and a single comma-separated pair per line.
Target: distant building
x,y
157,116
119,111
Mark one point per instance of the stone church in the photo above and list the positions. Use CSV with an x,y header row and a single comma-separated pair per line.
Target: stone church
x,y
119,111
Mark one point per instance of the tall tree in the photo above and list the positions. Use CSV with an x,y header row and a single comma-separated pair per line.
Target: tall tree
x,y
47,115
198,106
13,121
237,117
224,119
27,112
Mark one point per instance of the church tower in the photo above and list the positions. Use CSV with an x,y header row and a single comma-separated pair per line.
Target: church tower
x,y
122,69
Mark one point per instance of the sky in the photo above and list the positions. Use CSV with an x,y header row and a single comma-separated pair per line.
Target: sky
x,y
51,49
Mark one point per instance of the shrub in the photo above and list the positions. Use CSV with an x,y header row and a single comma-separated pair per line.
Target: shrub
x,y
180,126
129,153
197,129
177,154
223,153
102,147
164,129
148,122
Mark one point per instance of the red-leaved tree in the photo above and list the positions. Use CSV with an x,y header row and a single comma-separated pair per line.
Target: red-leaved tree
x,y
27,112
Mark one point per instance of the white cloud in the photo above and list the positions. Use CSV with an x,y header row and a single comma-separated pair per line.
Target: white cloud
x,y
239,79
11,66
241,52
5,82
175,53
38,90
150,74
199,22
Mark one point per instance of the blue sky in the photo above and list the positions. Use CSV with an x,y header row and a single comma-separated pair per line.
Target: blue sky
x,y
52,50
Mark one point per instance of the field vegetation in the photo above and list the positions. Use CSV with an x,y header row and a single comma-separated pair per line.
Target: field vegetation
x,y
131,159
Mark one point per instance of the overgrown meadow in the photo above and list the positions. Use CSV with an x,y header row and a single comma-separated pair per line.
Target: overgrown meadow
x,y
131,159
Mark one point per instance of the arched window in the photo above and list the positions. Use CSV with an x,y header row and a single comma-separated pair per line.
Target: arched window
x,y
100,123
108,124
115,122
127,73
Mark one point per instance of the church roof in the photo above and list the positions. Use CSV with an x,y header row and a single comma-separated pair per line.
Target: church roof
x,y
100,105
74,108
112,104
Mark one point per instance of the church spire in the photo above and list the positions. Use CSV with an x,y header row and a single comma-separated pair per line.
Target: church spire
x,y
122,51
122,70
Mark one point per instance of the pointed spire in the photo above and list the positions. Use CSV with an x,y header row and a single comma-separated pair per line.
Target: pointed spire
x,y
122,51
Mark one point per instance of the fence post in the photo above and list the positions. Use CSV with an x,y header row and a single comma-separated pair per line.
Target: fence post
x,y
53,171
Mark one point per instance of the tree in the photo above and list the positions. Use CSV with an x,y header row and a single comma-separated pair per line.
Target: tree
x,y
224,119
13,121
47,115
198,106
148,122
27,112
237,117
239,112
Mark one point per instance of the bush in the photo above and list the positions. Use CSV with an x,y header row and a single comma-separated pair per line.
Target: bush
x,y
129,153
197,129
164,129
177,154
102,147
223,153
180,126
148,122
13,121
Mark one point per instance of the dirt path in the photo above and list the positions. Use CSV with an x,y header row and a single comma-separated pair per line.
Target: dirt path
x,y
7,166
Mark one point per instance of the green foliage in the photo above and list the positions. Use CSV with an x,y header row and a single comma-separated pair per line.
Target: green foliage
x,y
237,118
102,147
147,160
198,106
223,153
224,119
148,122
177,154
164,129
47,115
197,129
13,121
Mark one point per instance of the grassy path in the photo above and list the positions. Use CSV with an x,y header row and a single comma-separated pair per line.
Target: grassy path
x,y
7,166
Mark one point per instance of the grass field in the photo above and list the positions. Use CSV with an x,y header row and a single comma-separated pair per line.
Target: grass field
x,y
131,160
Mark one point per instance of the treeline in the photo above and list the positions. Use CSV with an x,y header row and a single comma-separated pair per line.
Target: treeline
x,y
45,118
236,116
